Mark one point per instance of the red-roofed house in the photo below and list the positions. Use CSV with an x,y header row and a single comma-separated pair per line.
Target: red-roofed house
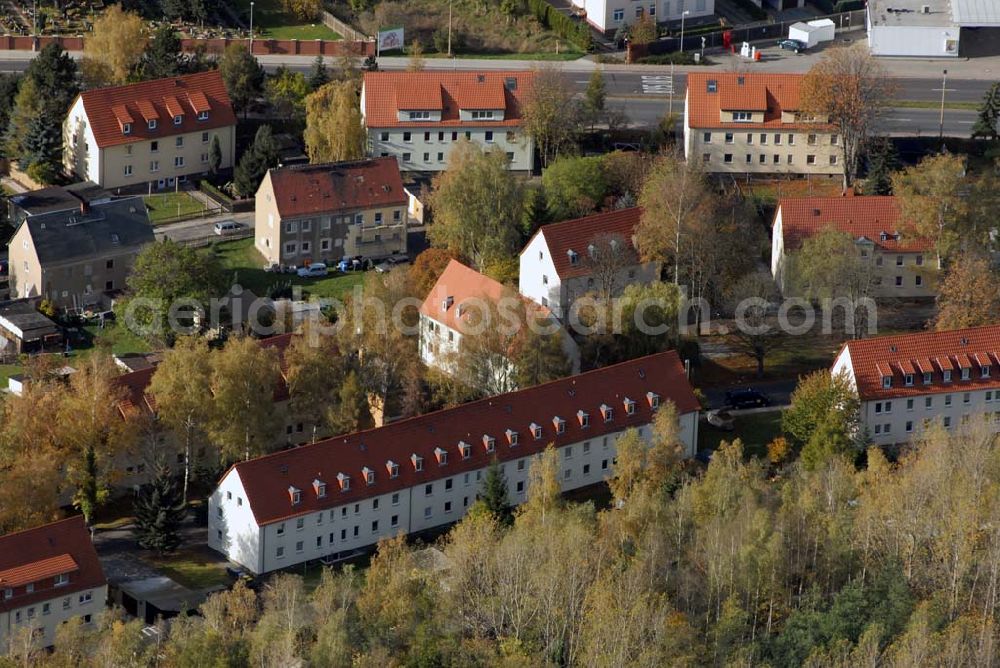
x,y
459,293
909,380
337,497
567,260
750,123
49,575
152,132
322,213
416,117
905,266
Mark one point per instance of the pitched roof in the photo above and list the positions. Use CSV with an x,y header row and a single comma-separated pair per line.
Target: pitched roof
x,y
868,217
770,93
160,99
387,93
35,556
459,284
267,479
110,227
337,186
576,235
932,352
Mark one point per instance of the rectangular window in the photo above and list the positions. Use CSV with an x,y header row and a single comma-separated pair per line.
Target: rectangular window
x,y
706,137
619,15
810,159
742,116
179,161
128,170
383,136
489,135
407,137
179,142
729,137
427,512
763,138
727,158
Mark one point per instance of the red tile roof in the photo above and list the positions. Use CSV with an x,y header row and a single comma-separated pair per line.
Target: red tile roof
x,y
462,284
386,93
575,235
160,99
267,479
860,217
770,93
35,556
893,356
302,190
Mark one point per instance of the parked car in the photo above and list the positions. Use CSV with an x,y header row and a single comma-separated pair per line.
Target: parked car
x,y
315,270
390,262
746,398
224,227
720,419
792,45
355,263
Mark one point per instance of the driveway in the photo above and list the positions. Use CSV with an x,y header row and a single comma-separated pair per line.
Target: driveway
x,y
778,391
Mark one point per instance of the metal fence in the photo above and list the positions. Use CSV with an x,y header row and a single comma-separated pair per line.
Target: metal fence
x,y
751,32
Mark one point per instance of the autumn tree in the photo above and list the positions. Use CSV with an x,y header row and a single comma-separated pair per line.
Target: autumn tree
x,y
315,373
756,333
969,294
817,396
182,392
305,10
607,258
244,420
933,201
113,51
427,267
540,357
416,56
675,197
334,128
595,97
550,115
476,204
286,91
643,31
848,89
573,186
242,75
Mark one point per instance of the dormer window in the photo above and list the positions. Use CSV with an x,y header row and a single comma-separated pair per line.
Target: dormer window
x,y
319,487
447,302
61,580
126,128
8,593
419,115
369,475
202,115
742,116
559,424
927,378
151,124
465,449
886,382
295,495
984,372
345,481
536,431
946,375
908,379
482,115
393,469
584,418
607,412
489,442
966,373
178,120
512,437
441,455
574,257
654,400
629,406
418,462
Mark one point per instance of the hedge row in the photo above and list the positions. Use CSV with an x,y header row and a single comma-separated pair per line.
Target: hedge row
x,y
576,32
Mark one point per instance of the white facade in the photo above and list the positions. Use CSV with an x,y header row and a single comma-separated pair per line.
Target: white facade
x,y
426,149
901,419
913,41
339,531
437,343
47,615
608,15
83,157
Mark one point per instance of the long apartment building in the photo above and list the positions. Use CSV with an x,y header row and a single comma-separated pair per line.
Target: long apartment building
x,y
417,117
322,213
902,265
151,134
48,575
905,382
743,123
337,497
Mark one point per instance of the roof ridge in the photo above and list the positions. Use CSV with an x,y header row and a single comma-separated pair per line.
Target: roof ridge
x,y
484,401
47,525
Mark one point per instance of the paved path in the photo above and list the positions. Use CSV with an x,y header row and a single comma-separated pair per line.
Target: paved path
x,y
198,229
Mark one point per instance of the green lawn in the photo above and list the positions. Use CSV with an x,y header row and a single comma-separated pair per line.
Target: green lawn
x,y
755,430
244,262
117,337
192,569
8,370
166,206
271,21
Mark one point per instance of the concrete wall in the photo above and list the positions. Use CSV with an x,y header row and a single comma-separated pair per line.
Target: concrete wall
x,y
261,47
436,503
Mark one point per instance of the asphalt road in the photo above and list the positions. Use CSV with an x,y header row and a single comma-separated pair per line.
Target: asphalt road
x,y
199,229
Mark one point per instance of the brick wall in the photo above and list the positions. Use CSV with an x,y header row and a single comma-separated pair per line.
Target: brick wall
x,y
261,47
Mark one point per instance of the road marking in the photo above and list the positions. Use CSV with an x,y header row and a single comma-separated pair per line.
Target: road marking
x,y
657,85
901,120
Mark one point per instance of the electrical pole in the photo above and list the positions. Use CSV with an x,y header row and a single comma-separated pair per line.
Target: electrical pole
x,y
944,81
251,28
449,28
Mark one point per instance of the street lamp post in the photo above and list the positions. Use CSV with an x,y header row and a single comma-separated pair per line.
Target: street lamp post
x,y
251,28
683,14
944,81
449,28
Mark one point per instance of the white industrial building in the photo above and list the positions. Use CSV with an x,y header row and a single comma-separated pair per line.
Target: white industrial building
x,y
929,28
609,15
